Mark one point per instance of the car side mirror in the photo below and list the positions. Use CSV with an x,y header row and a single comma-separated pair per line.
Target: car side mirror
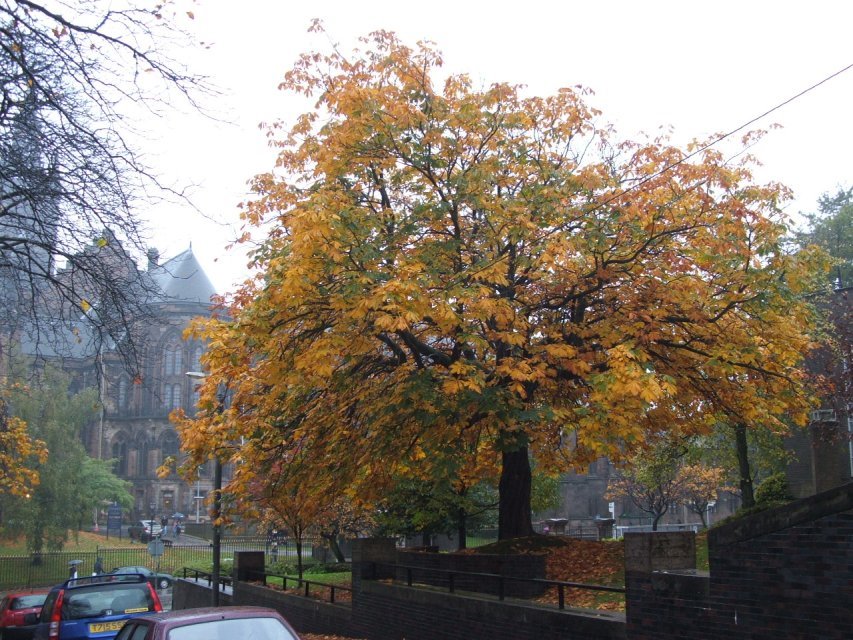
x,y
31,618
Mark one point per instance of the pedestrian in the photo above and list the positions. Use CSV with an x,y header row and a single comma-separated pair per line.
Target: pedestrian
x,y
177,530
72,574
99,567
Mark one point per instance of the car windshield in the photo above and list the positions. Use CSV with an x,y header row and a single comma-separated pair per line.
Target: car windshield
x,y
27,602
106,601
243,628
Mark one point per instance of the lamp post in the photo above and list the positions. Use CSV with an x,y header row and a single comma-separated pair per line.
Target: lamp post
x,y
198,497
216,511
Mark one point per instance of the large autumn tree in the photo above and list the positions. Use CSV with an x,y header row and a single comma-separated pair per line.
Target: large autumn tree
x,y
456,279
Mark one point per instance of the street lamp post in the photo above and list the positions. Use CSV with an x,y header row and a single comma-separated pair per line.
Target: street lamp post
x,y
198,498
216,511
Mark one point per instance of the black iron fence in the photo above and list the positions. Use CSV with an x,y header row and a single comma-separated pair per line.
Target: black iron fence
x,y
308,588
205,576
488,583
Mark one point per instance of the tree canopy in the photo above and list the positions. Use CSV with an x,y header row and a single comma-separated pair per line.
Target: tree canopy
x,y
71,484
457,278
831,228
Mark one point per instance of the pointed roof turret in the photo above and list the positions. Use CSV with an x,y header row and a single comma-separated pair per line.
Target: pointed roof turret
x,y
183,279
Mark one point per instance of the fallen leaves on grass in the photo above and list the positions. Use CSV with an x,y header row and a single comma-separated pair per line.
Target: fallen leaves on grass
x,y
588,562
598,562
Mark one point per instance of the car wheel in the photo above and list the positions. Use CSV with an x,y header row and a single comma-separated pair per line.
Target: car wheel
x,y
165,583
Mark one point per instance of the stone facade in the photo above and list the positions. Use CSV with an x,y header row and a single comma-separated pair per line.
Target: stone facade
x,y
824,451
133,427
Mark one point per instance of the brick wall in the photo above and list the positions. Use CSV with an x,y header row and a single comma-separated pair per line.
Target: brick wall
x,y
307,615
785,573
188,593
436,565
383,611
394,612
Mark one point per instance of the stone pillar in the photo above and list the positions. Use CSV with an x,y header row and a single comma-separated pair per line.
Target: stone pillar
x,y
372,559
605,528
648,596
557,526
660,551
248,565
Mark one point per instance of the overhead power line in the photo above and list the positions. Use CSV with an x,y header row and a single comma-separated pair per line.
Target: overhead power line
x,y
723,136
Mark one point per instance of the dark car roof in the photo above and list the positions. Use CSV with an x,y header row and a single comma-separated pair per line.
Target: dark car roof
x,y
114,579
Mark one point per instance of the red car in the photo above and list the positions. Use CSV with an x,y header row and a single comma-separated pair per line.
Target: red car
x,y
14,608
258,623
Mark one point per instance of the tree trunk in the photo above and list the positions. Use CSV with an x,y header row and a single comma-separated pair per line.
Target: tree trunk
x,y
514,518
335,548
746,495
299,567
462,529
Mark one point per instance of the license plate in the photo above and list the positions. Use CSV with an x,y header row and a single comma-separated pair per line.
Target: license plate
x,y
100,627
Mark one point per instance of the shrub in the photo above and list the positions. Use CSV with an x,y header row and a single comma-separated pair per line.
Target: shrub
x,y
331,567
773,489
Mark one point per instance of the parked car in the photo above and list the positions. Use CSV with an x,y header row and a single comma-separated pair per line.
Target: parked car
x,y
151,528
95,606
258,623
145,530
157,580
19,612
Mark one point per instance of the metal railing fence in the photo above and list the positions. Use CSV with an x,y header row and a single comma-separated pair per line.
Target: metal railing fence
x,y
493,583
308,588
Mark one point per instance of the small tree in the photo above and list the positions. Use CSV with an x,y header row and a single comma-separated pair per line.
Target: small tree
x,y
71,483
700,487
652,481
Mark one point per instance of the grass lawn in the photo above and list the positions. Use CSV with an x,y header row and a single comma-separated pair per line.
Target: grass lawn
x,y
78,541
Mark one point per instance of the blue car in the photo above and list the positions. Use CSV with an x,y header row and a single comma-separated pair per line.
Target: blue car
x,y
95,607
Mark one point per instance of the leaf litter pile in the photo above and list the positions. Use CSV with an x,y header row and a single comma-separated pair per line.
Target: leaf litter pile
x,y
597,562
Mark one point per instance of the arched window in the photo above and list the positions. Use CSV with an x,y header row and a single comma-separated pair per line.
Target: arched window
x,y
119,453
144,449
197,350
172,358
121,400
196,396
170,444
172,396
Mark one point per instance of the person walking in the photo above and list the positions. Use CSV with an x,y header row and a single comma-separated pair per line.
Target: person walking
x,y
99,567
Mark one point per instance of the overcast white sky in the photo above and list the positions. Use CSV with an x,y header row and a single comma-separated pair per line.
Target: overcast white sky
x,y
700,67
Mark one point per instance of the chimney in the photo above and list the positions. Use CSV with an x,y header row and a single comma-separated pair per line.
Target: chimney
x,y
153,257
